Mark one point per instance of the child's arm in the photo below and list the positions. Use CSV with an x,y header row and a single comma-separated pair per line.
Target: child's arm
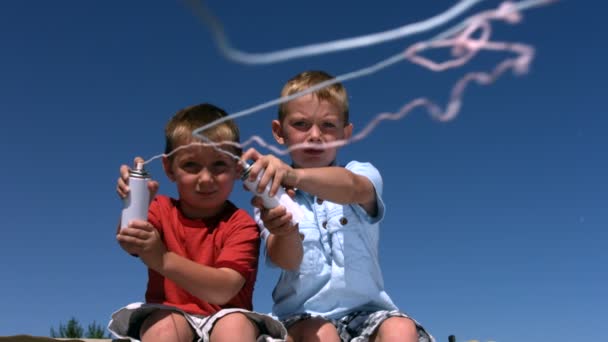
x,y
284,243
336,184
214,285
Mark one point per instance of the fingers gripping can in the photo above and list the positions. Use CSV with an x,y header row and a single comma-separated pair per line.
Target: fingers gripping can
x,y
135,205
280,198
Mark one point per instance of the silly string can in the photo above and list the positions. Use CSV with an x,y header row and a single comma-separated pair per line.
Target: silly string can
x,y
280,198
135,205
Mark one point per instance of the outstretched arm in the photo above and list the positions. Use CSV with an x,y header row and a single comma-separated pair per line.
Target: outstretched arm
x,y
339,185
284,243
333,183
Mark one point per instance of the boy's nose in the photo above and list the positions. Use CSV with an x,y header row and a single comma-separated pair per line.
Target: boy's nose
x,y
204,176
314,134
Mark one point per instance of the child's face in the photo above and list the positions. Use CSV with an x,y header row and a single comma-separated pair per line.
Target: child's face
x,y
314,121
204,179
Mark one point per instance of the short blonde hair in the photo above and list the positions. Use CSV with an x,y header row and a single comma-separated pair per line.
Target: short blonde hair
x,y
178,130
335,93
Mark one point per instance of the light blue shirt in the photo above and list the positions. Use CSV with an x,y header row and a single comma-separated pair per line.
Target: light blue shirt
x,y
340,271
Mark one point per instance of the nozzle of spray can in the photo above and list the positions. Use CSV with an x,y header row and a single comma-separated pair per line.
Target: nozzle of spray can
x,y
135,205
280,198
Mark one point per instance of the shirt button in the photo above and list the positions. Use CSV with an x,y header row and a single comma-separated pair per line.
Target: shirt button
x,y
325,224
343,220
319,201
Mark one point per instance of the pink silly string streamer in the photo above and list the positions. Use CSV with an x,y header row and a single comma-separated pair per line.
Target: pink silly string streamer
x,y
464,48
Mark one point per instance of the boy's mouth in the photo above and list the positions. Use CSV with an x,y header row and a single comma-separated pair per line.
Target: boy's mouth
x,y
204,192
314,151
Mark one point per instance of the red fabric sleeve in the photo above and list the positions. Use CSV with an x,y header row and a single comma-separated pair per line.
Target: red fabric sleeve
x,y
154,290
154,212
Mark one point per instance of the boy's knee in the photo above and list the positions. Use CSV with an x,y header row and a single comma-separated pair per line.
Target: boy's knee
x,y
328,332
166,325
398,329
234,323
313,329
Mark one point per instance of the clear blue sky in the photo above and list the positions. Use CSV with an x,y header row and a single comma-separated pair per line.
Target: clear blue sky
x,y
496,223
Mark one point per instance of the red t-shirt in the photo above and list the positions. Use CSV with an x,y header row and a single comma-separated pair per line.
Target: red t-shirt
x,y
231,239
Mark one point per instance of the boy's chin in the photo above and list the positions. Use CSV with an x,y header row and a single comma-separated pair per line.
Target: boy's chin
x,y
313,162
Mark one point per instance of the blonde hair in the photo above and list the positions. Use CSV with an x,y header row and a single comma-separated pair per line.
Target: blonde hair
x,y
335,93
178,130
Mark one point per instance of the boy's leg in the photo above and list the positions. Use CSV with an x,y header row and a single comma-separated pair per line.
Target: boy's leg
x,y
396,329
164,325
137,319
383,326
240,325
303,328
234,327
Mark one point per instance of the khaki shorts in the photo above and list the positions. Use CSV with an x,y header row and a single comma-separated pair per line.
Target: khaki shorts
x,y
126,322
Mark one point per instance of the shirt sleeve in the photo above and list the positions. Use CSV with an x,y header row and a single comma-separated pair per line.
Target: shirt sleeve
x,y
154,212
370,172
154,289
241,246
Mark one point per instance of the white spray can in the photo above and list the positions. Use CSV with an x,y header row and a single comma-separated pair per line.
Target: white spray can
x,y
280,198
135,205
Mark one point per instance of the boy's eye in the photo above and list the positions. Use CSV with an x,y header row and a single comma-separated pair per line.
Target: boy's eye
x,y
219,166
191,167
329,125
300,124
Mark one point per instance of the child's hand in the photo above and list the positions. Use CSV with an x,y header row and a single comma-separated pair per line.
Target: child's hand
x,y
122,185
142,239
274,169
277,220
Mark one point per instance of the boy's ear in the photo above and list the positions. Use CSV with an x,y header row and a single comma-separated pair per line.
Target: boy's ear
x,y
168,169
348,131
277,132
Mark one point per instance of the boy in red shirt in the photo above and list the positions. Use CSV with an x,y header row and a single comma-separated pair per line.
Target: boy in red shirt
x,y
201,250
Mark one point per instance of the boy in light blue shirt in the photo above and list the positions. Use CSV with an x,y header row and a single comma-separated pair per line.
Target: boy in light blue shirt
x,y
331,286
